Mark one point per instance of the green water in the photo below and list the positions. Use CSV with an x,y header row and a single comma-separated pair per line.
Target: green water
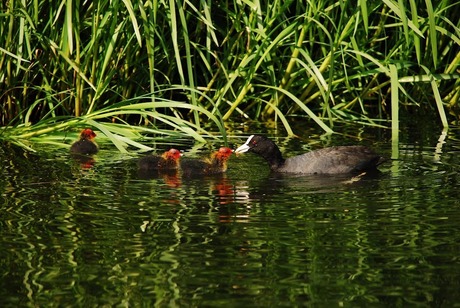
x,y
105,236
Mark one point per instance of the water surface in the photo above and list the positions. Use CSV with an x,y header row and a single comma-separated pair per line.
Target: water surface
x,y
99,233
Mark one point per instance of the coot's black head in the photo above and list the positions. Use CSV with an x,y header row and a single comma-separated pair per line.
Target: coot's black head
x,y
264,147
256,144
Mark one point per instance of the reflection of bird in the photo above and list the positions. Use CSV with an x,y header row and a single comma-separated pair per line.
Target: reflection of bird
x,y
169,160
86,162
85,145
332,160
216,164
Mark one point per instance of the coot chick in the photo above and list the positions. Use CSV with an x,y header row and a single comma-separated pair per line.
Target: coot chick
x,y
332,160
169,160
85,145
215,164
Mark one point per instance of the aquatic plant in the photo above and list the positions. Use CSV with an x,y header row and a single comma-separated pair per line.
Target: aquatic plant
x,y
169,66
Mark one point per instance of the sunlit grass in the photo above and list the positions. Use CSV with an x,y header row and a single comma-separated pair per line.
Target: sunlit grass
x,y
181,67
119,131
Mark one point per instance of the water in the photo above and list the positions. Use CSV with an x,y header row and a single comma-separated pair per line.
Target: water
x,y
103,235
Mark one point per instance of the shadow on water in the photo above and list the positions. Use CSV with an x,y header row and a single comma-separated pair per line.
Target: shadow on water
x,y
274,183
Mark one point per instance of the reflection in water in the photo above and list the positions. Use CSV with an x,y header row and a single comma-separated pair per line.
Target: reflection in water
x,y
86,162
113,236
170,177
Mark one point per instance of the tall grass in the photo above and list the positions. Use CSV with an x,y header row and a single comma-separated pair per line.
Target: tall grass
x,y
180,64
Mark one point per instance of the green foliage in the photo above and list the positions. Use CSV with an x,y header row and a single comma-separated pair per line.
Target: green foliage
x,y
235,60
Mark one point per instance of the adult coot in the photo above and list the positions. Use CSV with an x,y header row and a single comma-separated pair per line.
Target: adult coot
x,y
332,160
85,145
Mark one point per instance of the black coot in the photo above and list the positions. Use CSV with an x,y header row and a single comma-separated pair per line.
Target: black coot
x,y
332,160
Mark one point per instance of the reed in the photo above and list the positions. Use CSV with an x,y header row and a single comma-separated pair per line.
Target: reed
x,y
183,64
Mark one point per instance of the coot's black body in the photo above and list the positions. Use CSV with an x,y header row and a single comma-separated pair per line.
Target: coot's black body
x,y
332,160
